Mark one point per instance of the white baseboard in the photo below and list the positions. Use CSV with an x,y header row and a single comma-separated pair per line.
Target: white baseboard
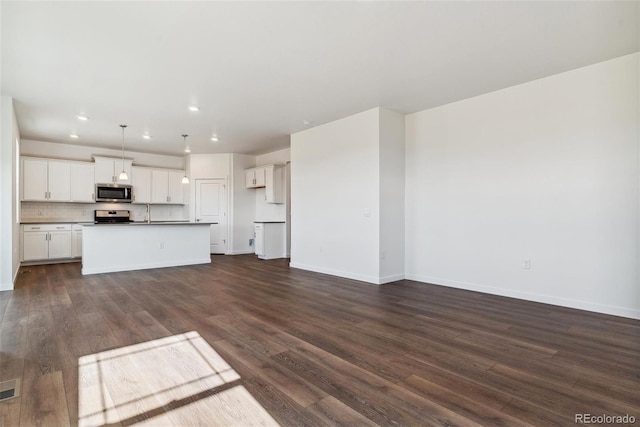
x,y
86,271
347,275
529,296
389,279
240,252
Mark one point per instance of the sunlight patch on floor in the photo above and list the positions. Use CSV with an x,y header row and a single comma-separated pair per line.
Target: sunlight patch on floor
x,y
178,380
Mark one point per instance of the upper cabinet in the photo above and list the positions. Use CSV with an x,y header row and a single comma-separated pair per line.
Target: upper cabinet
x,y
167,187
271,177
255,177
275,180
108,170
141,181
46,180
52,180
82,182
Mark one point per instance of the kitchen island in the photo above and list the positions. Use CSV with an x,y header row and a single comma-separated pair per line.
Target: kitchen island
x,y
137,246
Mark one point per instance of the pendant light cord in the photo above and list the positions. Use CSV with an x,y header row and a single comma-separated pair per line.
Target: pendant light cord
x,y
123,126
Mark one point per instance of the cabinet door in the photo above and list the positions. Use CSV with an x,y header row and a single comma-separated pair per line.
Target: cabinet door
x,y
118,167
104,171
141,181
176,188
260,177
259,239
274,188
59,177
34,179
82,182
76,243
35,245
59,244
159,186
249,177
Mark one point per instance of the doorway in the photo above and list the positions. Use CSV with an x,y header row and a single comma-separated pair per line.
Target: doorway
x,y
211,208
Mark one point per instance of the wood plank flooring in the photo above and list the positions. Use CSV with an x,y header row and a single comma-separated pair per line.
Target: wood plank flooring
x,y
304,349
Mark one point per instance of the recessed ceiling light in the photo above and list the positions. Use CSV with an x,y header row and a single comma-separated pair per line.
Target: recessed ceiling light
x,y
187,150
193,108
307,123
146,136
82,117
214,138
74,136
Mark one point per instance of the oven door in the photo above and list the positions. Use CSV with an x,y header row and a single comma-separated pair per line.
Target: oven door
x,y
114,193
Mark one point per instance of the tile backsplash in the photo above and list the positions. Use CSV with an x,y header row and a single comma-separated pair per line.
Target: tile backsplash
x,y
80,212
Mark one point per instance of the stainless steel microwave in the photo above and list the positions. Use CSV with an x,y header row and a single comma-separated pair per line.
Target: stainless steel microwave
x,y
114,193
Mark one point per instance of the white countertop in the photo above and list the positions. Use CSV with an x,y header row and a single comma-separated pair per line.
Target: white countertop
x,y
111,224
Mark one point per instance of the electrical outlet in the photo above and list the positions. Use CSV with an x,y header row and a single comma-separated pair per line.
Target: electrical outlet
x,y
161,245
526,264
383,254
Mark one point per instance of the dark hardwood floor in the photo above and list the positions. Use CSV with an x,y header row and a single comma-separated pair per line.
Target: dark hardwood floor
x,y
319,350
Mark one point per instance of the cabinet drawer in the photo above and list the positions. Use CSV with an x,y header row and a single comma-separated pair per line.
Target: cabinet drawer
x,y
47,227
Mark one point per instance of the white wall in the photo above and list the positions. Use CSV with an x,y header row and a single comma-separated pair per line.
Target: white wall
x,y
546,171
392,216
79,152
244,203
271,211
335,197
275,157
9,225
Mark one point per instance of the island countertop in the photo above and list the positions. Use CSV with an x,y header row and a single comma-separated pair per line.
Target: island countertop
x,y
112,224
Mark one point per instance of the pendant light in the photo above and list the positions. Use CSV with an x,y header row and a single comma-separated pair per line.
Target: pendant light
x,y
123,175
185,179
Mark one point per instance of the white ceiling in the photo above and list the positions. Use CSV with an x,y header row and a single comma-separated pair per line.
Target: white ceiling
x,y
258,70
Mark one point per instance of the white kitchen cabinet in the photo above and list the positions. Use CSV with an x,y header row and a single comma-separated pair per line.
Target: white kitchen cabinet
x,y
35,245
167,187
176,187
46,241
108,170
269,240
83,182
272,177
76,241
275,182
59,176
46,180
35,183
255,177
52,180
141,181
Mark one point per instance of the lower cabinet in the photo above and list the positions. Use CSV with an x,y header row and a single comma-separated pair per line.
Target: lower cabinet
x,y
46,241
270,240
76,241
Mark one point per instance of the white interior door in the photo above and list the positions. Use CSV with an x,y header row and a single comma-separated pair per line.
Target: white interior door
x,y
211,207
